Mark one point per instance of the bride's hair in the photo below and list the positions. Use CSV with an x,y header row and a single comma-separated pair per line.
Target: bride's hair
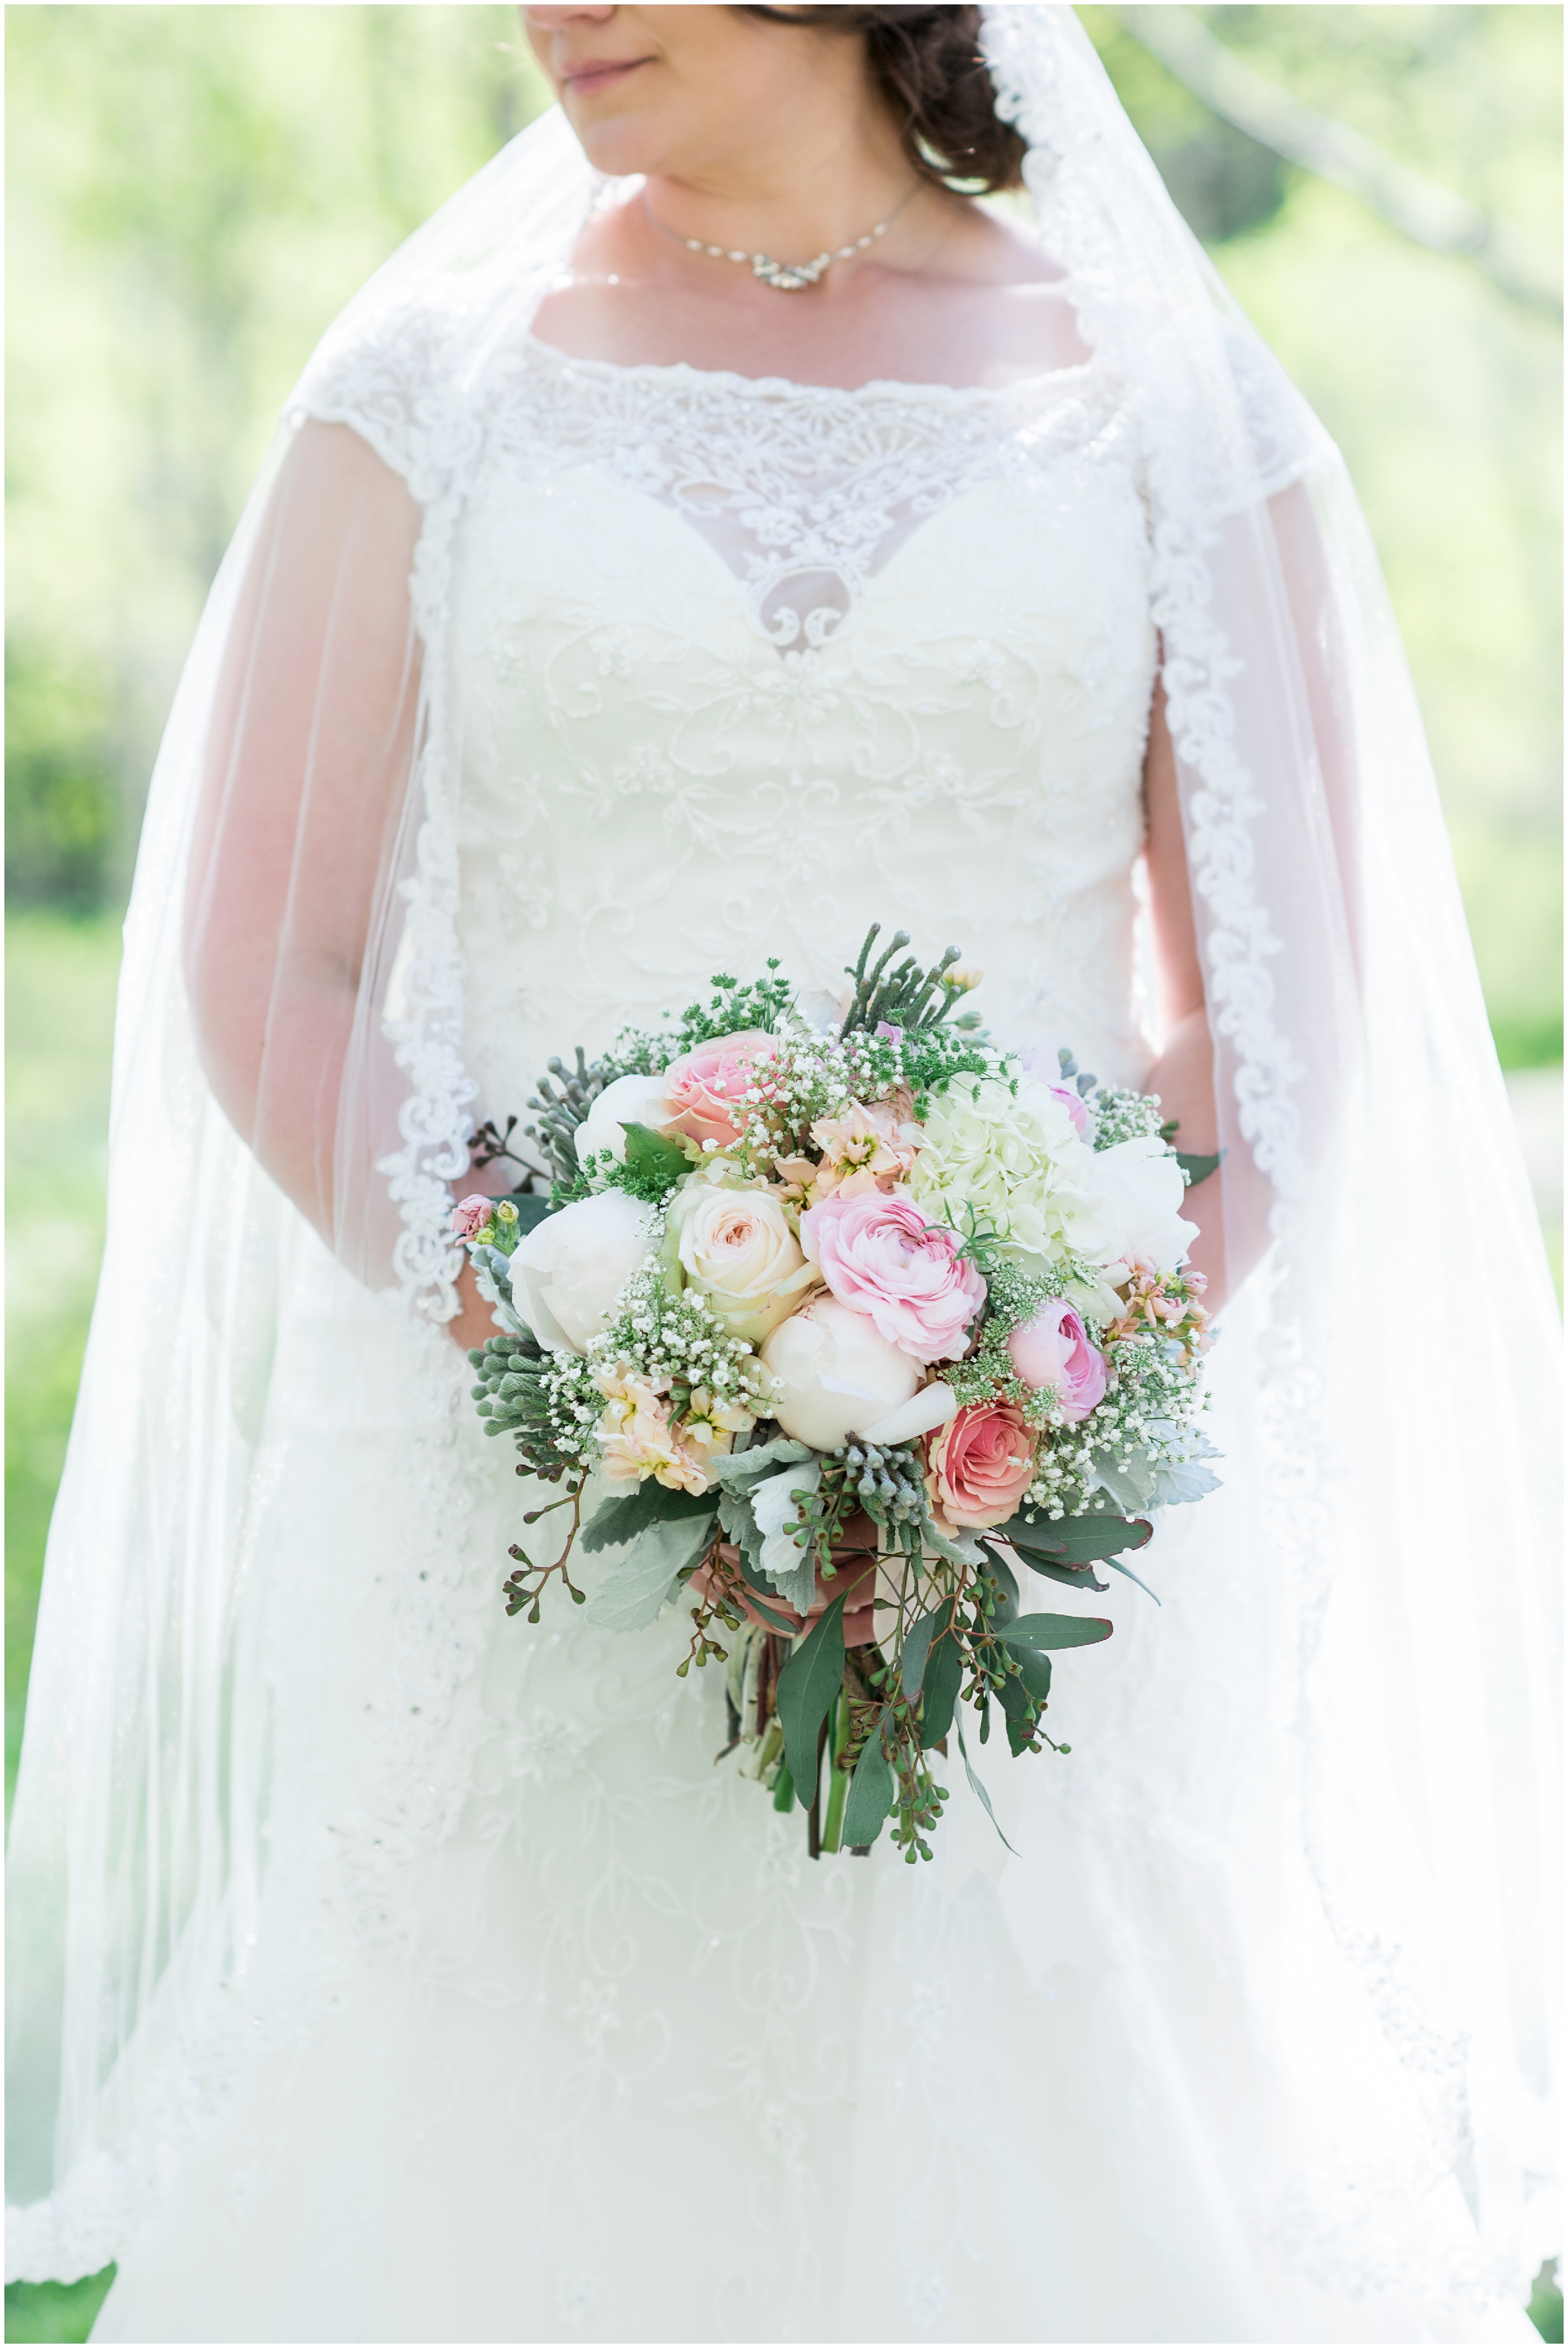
x,y
927,62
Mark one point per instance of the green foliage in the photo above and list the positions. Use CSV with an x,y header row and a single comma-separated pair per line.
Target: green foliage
x,y
1425,374
63,812
808,1683
1546,2302
654,1165
871,1794
900,994
60,981
56,2310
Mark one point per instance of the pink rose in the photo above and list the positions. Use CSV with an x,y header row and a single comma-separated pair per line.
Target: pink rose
x,y
700,1086
880,1256
470,1215
1052,1349
981,1465
1044,1068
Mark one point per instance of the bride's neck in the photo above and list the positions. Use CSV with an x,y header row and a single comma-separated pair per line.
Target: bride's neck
x,y
819,195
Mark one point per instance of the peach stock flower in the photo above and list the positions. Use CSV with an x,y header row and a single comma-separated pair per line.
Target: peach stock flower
x,y
637,1439
864,1149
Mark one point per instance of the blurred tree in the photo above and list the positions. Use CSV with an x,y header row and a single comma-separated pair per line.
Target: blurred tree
x,y
193,194
1444,392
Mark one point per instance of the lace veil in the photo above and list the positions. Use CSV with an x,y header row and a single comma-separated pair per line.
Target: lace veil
x,y
289,1079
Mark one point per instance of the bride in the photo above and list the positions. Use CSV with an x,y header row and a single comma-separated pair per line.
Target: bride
x,y
717,529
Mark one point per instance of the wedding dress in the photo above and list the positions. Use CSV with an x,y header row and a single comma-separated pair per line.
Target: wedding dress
x,y
473,1999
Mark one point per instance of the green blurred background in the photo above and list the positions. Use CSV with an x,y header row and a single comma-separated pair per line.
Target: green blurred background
x,y
194,191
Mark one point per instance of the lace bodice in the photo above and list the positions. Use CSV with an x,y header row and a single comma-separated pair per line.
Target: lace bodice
x,y
743,666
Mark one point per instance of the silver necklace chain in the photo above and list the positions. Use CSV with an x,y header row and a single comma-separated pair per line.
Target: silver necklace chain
x,y
783,276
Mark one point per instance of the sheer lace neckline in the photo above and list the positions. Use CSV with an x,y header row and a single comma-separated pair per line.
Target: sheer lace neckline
x,y
681,374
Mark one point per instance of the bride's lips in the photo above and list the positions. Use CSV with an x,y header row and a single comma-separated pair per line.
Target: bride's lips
x,y
594,74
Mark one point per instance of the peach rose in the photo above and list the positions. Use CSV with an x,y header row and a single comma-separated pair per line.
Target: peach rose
x,y
979,1465
701,1086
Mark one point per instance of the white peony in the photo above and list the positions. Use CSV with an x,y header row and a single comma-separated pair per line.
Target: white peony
x,y
737,1248
836,1375
1010,1159
1139,1190
628,1100
569,1273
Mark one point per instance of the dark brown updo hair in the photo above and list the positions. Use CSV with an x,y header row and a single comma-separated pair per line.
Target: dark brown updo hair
x,y
928,64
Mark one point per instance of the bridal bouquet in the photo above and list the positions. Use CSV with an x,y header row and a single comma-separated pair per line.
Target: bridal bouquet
x,y
853,1322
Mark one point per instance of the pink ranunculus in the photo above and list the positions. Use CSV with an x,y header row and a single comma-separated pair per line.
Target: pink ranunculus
x,y
700,1086
881,1255
1052,1349
470,1215
979,1465
1045,1069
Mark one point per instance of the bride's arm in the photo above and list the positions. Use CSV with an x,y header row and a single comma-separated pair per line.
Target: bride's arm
x,y
296,829
1184,1074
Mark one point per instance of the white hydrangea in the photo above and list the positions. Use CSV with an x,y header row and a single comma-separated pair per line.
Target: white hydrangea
x,y
1013,1160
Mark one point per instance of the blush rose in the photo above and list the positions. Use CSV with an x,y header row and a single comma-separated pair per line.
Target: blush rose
x,y
1052,1349
703,1086
979,1465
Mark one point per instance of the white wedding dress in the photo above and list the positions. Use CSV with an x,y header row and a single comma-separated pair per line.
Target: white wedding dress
x,y
562,2035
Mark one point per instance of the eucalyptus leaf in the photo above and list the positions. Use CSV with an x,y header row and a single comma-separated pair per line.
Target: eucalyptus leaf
x,y
1055,1630
1056,1568
1075,1540
632,1594
1117,1567
1007,1605
917,1647
940,1687
871,1792
980,1790
807,1686
761,1591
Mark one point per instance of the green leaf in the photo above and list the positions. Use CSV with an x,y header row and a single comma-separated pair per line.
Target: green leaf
x,y
1075,1541
871,1791
1056,1568
807,1686
654,1156
1007,1605
531,1209
635,1588
940,1688
1117,1567
761,1590
1055,1630
1196,1167
733,1468
980,1790
622,1520
917,1647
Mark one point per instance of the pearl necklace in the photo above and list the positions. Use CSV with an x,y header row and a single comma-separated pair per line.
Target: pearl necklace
x,y
783,276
